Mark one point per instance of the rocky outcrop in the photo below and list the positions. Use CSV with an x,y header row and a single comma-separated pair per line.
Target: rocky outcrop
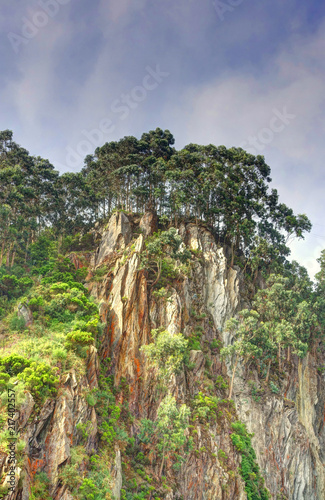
x,y
149,224
26,314
289,429
116,237
50,437
117,476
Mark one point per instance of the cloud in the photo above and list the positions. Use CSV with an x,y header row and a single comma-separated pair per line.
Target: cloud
x,y
236,106
226,79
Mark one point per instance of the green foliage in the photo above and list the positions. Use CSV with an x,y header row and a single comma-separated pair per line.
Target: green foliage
x,y
274,388
205,407
40,380
89,490
13,286
282,316
108,429
43,249
78,338
147,431
77,242
215,344
171,425
164,252
194,344
167,353
84,429
40,487
249,470
220,383
69,474
14,364
17,323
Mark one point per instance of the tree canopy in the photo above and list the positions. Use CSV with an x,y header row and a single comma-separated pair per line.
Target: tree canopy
x,y
227,189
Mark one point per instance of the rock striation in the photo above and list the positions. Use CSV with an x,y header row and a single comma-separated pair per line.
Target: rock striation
x,y
289,434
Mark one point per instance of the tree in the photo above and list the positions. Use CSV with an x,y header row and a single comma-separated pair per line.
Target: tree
x,y
164,248
167,352
241,347
171,425
283,316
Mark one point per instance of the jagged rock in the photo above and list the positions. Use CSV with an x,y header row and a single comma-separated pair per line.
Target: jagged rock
x,y
25,313
289,438
116,237
3,458
117,476
167,313
77,261
60,438
92,367
26,410
149,224
198,359
92,439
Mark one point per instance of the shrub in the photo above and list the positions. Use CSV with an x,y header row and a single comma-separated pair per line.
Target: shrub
x,y
4,379
89,490
40,488
205,407
274,388
35,303
14,364
17,323
40,380
194,344
221,383
167,352
249,470
78,338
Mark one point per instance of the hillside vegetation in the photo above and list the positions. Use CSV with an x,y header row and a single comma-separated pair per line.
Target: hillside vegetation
x,y
57,312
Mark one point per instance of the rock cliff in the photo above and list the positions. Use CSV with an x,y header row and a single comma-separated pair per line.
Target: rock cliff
x,y
288,427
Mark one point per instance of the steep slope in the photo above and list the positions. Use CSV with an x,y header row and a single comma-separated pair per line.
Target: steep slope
x,y
288,426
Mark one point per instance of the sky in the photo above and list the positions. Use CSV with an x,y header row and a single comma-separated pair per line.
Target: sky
x,y
250,73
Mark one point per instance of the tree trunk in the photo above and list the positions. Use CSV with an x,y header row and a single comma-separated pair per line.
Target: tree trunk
x,y
279,357
8,256
158,276
233,378
268,371
289,354
13,258
2,252
163,460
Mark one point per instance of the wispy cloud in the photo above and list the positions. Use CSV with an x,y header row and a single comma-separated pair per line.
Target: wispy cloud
x,y
226,79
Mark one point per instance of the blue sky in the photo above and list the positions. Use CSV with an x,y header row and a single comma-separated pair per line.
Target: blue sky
x,y
250,73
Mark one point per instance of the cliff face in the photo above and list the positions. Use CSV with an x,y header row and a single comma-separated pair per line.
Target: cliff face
x,y
288,426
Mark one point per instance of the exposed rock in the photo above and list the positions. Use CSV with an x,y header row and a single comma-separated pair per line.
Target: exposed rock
x,y
116,237
92,367
60,437
149,224
80,261
25,313
289,432
63,494
26,410
3,458
117,476
92,440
